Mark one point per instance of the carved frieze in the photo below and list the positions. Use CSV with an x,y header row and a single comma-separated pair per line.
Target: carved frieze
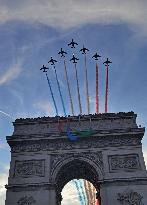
x,y
29,168
66,144
129,162
94,157
130,197
26,200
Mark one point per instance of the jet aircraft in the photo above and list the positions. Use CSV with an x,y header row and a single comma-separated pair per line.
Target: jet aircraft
x,y
62,52
72,43
84,50
96,56
74,59
107,62
44,69
52,61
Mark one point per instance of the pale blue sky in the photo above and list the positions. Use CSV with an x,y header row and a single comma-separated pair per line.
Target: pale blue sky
x,y
32,31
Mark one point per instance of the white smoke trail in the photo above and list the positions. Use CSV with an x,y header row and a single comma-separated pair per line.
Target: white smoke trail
x,y
6,114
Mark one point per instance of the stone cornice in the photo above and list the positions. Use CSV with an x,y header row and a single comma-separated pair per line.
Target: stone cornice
x,y
124,181
30,187
63,135
49,186
75,118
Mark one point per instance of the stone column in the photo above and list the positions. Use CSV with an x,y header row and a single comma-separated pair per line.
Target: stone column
x,y
103,195
52,197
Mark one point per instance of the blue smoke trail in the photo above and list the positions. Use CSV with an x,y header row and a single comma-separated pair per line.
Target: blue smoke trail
x,y
52,94
83,193
79,193
60,92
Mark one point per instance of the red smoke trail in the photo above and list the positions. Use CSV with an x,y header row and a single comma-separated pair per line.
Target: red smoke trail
x,y
106,91
97,202
97,94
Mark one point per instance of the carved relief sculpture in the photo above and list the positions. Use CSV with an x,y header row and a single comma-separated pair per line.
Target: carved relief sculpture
x,y
29,168
124,162
130,197
26,200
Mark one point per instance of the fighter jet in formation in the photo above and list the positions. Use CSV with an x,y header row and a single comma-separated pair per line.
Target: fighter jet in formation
x,y
74,59
44,69
96,56
62,53
84,50
72,44
107,62
52,61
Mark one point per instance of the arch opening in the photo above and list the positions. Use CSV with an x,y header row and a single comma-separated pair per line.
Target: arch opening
x,y
79,192
81,173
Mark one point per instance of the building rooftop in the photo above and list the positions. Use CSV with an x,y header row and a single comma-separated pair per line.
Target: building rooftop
x,y
100,116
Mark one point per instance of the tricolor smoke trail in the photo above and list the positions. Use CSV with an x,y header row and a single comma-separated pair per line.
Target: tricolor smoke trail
x,y
78,90
107,62
94,195
87,91
79,193
96,57
49,84
97,93
106,91
60,92
68,86
82,190
90,192
87,192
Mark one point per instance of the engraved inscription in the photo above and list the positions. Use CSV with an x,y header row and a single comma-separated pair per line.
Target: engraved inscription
x,y
130,197
29,168
124,162
26,200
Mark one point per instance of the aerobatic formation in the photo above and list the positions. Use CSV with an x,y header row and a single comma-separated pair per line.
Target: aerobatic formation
x,y
74,59
85,190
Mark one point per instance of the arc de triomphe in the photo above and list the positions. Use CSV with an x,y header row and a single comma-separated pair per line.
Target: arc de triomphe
x,y
107,152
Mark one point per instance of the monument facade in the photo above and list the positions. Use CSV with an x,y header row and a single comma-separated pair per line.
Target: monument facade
x,y
48,152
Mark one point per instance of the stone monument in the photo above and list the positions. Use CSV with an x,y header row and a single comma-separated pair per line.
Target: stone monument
x,y
107,152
